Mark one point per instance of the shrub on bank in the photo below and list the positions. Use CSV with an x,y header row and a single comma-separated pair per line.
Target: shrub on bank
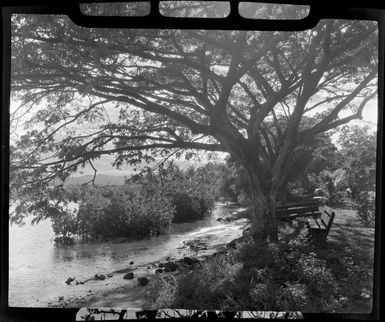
x,y
275,277
127,213
192,192
190,206
107,213
64,225
144,206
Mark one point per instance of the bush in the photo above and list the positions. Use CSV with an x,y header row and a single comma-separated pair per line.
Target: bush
x,y
186,208
328,187
190,206
205,288
144,206
364,203
125,213
360,186
359,150
155,213
92,220
64,225
320,283
192,192
160,293
269,277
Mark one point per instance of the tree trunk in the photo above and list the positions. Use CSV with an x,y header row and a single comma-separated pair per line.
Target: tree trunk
x,y
264,196
264,225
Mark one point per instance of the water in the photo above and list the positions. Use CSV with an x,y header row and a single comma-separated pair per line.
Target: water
x,y
38,269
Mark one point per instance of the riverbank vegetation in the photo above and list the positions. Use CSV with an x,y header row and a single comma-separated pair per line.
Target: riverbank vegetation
x,y
291,274
149,202
286,275
144,206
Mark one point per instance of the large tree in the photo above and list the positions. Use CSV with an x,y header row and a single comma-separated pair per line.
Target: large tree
x,y
248,93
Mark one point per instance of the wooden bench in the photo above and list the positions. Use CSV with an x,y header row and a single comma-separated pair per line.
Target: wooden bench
x,y
291,211
318,220
319,226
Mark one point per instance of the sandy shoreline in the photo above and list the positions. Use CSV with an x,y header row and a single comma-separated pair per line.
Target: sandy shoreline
x,y
113,291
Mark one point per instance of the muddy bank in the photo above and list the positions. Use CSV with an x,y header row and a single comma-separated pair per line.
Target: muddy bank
x,y
126,287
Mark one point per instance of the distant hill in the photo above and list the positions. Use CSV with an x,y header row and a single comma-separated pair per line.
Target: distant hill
x,y
105,179
100,180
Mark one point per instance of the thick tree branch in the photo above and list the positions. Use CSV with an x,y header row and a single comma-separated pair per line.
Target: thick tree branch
x,y
320,127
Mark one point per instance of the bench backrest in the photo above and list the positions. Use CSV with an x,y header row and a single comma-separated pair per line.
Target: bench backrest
x,y
296,210
297,205
327,217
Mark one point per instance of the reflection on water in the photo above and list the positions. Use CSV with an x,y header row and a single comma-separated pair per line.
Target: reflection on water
x,y
38,269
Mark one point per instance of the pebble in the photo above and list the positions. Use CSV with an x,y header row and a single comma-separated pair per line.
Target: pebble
x,y
143,281
69,280
188,260
99,277
129,276
170,267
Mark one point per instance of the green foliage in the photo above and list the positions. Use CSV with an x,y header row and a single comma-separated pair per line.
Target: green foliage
x,y
306,173
64,225
318,279
203,289
328,186
318,154
192,192
234,184
276,277
111,212
127,213
364,203
160,292
358,145
359,150
144,206
187,207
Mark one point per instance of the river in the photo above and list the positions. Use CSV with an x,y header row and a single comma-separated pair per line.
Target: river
x,y
38,269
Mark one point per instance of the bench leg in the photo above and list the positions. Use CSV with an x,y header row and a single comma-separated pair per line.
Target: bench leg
x,y
311,233
316,237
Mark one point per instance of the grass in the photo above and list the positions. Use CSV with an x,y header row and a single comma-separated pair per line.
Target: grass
x,y
287,275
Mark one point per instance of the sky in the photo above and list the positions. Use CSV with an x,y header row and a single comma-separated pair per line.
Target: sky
x,y
104,163
370,115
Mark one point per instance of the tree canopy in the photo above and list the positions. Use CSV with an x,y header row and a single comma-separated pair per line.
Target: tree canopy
x,y
81,93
